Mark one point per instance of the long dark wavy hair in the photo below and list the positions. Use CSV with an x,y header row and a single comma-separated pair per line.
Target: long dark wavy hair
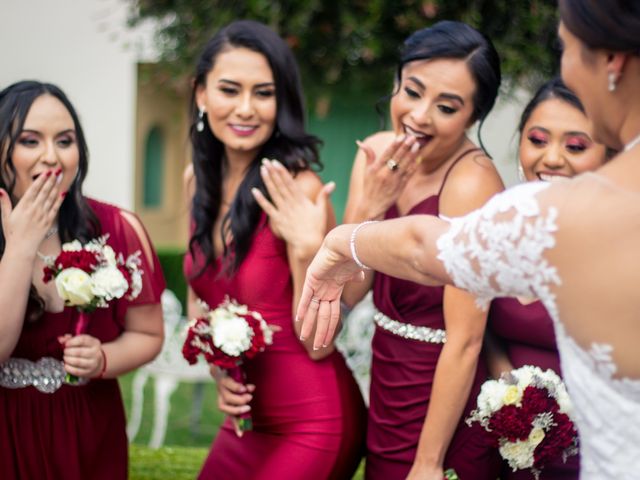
x,y
457,40
76,220
290,143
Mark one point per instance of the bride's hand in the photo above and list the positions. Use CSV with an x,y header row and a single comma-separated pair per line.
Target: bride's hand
x,y
329,271
294,217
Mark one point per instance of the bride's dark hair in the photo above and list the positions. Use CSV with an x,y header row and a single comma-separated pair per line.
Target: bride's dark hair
x,y
609,24
296,149
76,219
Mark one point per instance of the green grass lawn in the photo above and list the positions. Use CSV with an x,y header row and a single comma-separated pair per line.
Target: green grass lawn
x,y
185,447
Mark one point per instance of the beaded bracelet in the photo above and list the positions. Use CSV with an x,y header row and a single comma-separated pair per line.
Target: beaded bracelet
x,y
352,244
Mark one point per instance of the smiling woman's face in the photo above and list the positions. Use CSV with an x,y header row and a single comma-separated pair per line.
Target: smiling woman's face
x,y
435,104
47,143
557,141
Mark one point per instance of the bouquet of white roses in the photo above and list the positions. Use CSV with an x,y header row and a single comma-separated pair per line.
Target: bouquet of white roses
x,y
90,276
527,414
226,336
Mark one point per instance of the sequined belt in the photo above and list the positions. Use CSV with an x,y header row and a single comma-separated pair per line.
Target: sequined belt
x,y
406,330
46,374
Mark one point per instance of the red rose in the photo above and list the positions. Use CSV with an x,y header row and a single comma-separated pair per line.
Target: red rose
x,y
560,437
537,400
82,259
510,422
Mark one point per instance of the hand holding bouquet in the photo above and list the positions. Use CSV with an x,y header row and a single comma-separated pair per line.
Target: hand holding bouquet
x,y
226,337
89,276
527,414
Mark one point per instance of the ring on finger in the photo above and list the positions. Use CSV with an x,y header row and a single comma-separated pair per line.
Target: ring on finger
x,y
392,165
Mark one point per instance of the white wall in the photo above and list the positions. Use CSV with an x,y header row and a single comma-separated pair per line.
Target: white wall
x,y
80,46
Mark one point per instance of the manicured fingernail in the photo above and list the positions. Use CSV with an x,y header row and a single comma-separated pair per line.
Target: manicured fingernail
x,y
265,161
295,319
63,194
315,348
359,143
255,191
277,163
399,138
1,193
58,171
264,171
302,339
415,147
48,174
324,345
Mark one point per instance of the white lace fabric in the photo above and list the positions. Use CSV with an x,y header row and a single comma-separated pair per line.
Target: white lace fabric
x,y
503,249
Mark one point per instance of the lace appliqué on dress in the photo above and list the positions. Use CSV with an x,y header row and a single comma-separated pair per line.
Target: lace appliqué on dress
x,y
498,249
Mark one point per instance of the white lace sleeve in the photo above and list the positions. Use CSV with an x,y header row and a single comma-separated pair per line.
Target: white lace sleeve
x,y
498,249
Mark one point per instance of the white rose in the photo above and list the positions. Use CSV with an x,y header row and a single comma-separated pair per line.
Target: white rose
x,y
518,454
563,399
232,335
74,287
109,255
74,246
491,397
108,283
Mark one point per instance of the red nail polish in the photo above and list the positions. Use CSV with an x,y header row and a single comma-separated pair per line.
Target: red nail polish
x,y
59,171
63,194
1,193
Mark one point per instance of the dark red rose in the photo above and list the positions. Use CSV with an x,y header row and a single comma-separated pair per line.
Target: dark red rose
x,y
510,422
560,437
82,259
537,400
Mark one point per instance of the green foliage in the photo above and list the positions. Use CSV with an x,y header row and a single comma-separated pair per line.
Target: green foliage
x,y
343,42
171,262
167,463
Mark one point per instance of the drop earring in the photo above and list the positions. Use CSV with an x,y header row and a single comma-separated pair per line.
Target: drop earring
x,y
612,82
521,173
200,123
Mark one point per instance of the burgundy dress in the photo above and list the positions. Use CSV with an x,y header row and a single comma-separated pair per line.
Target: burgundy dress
x,y
526,332
77,432
402,375
308,416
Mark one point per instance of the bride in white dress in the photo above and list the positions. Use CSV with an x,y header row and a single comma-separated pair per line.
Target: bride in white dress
x,y
575,244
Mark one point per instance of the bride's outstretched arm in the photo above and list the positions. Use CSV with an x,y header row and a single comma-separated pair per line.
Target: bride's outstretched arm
x,y
404,248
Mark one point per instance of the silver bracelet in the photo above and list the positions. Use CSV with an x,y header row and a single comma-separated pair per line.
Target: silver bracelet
x,y
352,244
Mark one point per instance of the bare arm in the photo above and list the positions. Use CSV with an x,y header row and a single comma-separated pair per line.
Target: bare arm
x,y
374,188
24,228
471,183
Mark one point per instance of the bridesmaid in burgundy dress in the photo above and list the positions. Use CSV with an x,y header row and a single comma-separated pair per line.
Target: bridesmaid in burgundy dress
x,y
447,79
51,429
308,415
555,141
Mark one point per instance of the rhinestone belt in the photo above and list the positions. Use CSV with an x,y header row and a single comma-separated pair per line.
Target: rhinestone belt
x,y
406,330
47,374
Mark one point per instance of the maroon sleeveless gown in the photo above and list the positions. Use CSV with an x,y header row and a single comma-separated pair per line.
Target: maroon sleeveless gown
x,y
308,416
526,332
77,432
402,375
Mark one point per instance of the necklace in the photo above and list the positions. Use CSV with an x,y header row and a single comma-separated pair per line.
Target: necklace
x,y
51,232
632,144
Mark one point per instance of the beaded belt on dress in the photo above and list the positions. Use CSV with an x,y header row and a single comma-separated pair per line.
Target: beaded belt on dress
x,y
46,374
406,330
